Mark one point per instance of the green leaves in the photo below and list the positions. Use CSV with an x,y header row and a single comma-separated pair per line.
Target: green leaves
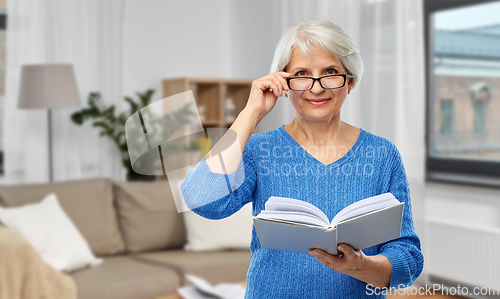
x,y
108,122
112,125
133,106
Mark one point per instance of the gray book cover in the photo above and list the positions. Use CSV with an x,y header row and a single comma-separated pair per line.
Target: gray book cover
x,y
359,232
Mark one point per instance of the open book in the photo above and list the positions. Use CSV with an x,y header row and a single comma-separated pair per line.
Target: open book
x,y
294,225
201,289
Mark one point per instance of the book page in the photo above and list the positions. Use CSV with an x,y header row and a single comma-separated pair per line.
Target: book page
x,y
293,217
365,206
203,290
276,203
191,292
203,286
293,207
231,290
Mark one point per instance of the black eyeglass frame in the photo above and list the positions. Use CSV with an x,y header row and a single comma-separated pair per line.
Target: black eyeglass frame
x,y
319,80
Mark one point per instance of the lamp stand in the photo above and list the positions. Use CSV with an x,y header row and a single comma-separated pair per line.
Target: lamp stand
x,y
49,119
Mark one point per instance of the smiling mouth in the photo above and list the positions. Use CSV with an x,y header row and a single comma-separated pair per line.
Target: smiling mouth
x,y
317,102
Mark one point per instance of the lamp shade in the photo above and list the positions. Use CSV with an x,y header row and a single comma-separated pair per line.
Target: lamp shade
x,y
48,86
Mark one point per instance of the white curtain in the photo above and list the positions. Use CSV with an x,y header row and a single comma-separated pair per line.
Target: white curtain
x,y
390,100
86,34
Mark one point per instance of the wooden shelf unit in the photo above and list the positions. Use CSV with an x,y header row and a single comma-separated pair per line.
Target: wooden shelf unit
x,y
212,93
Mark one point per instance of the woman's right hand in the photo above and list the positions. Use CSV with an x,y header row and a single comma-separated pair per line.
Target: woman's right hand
x,y
262,99
260,102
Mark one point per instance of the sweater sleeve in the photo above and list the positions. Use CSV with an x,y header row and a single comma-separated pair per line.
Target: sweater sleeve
x,y
404,253
215,195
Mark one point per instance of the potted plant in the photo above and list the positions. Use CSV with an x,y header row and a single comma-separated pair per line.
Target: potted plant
x,y
112,124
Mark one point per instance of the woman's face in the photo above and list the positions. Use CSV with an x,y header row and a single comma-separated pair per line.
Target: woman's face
x,y
316,104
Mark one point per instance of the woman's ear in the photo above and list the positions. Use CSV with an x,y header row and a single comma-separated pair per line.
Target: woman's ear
x,y
285,93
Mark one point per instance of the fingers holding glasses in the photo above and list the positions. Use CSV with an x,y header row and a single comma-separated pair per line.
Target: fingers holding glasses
x,y
265,91
281,81
275,87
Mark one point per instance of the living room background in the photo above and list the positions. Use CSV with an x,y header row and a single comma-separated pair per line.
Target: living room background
x,y
121,47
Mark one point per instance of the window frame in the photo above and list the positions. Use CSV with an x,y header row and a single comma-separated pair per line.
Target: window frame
x,y
444,169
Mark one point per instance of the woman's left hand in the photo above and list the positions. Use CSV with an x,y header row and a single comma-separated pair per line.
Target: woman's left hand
x,y
375,270
348,262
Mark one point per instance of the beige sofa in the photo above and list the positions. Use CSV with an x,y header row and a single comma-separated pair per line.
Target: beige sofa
x,y
135,228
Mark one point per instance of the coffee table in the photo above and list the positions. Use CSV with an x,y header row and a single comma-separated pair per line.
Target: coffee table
x,y
175,296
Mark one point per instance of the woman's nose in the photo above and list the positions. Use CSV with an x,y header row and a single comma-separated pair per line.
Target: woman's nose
x,y
317,88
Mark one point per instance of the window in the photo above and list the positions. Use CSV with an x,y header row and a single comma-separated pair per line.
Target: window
x,y
446,118
478,119
463,82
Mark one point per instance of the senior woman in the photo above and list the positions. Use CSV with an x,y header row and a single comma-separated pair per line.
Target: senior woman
x,y
317,158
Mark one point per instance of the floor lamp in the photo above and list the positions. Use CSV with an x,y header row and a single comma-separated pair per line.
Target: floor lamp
x,y
48,86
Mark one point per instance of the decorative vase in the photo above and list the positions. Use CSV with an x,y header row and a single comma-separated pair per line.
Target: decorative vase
x,y
133,176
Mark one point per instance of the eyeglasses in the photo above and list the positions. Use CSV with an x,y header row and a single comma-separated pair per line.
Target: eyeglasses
x,y
326,82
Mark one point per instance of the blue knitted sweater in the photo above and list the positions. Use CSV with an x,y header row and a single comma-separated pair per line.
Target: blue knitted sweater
x,y
274,164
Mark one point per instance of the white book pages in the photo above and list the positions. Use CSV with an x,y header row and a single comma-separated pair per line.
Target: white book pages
x,y
365,206
203,286
231,290
301,212
204,290
293,217
191,292
296,204
294,207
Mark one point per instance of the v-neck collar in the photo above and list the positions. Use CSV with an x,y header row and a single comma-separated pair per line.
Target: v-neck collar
x,y
339,161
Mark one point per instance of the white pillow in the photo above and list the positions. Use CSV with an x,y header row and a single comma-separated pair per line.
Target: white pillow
x,y
234,232
52,233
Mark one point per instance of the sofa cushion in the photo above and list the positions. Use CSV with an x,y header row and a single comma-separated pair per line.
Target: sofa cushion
x,y
214,266
89,204
50,231
233,232
121,277
148,217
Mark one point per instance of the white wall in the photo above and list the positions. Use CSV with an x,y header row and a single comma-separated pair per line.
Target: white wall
x,y
222,38
253,37
473,206
166,39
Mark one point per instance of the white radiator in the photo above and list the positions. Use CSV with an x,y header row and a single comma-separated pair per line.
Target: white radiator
x,y
462,254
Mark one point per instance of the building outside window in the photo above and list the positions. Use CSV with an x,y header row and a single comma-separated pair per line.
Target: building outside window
x,y
479,118
446,130
463,84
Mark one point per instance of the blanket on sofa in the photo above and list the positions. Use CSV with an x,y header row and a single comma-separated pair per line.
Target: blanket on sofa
x,y
24,275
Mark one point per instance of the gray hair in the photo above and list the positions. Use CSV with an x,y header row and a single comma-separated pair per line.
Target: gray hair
x,y
328,36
